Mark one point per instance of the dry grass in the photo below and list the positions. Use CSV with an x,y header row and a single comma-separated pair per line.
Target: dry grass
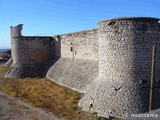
x,y
40,92
3,70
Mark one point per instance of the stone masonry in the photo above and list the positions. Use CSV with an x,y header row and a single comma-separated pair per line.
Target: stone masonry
x,y
30,54
111,64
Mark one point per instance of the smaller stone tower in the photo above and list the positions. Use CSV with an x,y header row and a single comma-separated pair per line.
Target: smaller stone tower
x,y
30,54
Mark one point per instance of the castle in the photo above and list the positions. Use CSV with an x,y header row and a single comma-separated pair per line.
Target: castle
x,y
111,65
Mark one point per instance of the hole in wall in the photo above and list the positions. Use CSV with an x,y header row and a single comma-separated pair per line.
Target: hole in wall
x,y
71,49
143,82
112,23
91,107
116,88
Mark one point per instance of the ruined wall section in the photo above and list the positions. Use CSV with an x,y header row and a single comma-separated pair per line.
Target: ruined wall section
x,y
16,31
78,66
125,57
30,54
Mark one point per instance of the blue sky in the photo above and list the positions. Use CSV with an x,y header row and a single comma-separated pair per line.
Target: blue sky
x,y
51,17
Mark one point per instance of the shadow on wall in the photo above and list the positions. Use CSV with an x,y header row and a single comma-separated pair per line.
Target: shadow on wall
x,y
142,62
137,66
55,56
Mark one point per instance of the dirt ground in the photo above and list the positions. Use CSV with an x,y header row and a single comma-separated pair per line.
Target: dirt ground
x,y
14,109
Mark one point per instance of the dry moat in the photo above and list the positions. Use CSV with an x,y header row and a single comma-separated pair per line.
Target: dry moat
x,y
58,102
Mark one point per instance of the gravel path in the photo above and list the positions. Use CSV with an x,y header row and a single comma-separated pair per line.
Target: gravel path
x,y
14,109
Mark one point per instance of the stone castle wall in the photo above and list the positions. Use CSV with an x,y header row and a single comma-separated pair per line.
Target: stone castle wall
x,y
78,66
111,64
80,45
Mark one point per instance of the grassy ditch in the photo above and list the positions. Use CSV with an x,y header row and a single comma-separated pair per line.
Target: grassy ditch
x,y
41,92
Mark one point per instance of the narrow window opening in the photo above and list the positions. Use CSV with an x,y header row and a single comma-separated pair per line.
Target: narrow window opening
x,y
71,46
71,49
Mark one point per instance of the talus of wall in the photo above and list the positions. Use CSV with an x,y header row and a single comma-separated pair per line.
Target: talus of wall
x,y
77,74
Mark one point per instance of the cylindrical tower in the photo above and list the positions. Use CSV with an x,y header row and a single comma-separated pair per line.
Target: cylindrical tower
x,y
30,54
125,57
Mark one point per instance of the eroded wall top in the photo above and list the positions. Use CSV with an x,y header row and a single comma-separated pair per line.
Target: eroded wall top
x,y
16,30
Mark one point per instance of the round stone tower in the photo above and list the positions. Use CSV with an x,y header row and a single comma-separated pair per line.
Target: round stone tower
x,y
30,54
125,57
